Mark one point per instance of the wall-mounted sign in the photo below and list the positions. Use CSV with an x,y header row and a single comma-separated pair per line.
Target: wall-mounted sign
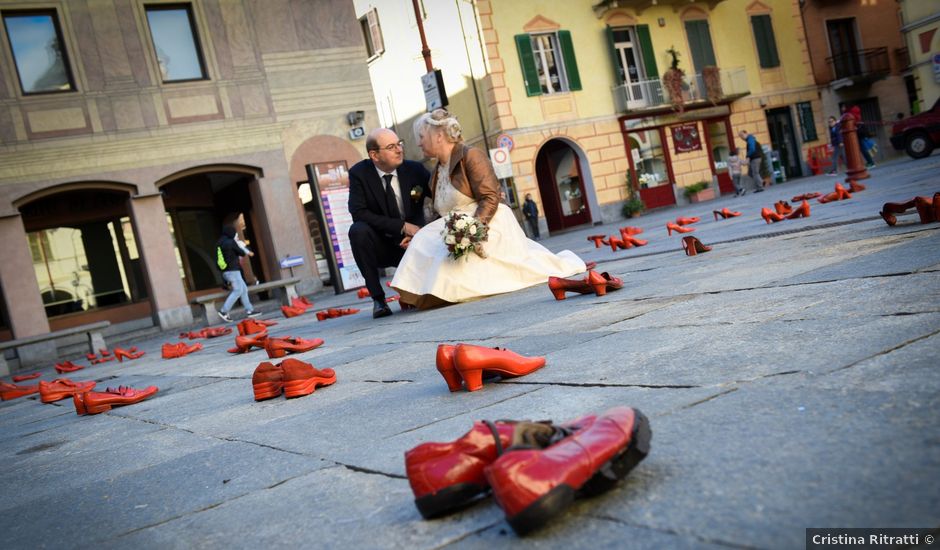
x,y
505,140
502,164
433,85
292,261
357,133
685,138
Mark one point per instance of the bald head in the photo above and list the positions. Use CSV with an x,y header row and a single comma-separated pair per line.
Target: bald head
x,y
384,149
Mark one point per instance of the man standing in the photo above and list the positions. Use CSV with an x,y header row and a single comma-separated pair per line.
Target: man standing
x,y
531,212
386,200
838,147
754,158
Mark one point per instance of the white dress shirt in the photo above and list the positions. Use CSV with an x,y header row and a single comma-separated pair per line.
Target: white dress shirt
x,y
395,188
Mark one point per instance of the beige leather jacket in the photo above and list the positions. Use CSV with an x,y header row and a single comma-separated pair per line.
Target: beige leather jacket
x,y
472,174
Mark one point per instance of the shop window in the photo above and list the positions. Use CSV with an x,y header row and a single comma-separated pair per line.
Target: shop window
x,y
700,44
89,266
548,63
39,53
372,33
649,158
766,43
176,42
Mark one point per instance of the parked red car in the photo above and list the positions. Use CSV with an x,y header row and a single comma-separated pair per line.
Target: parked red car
x,y
919,134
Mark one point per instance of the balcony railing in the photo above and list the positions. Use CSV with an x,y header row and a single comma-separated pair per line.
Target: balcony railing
x,y
859,66
651,94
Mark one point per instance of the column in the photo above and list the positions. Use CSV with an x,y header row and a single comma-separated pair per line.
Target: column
x,y
159,262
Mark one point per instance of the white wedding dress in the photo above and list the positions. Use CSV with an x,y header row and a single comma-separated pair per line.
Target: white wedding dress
x,y
427,275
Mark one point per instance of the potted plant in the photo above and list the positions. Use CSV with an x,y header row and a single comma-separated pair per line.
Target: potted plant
x,y
633,207
699,192
712,78
673,81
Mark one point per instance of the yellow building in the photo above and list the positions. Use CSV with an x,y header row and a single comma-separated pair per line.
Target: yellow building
x,y
579,89
921,25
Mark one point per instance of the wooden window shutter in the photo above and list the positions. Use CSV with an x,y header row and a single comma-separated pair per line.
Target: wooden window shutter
x,y
766,43
646,48
529,73
571,63
375,32
700,42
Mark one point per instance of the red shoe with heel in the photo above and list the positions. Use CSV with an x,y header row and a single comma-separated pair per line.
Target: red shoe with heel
x,y
471,361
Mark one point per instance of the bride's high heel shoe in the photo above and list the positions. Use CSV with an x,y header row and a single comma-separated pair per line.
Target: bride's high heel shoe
x,y
602,282
693,246
670,227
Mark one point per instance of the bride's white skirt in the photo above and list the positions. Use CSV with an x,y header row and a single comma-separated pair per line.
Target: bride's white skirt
x,y
513,262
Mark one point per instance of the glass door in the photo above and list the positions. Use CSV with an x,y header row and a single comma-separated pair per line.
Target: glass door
x,y
719,147
561,186
631,67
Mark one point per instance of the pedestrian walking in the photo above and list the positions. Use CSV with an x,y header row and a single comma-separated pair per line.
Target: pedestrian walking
x,y
754,154
228,253
734,168
835,142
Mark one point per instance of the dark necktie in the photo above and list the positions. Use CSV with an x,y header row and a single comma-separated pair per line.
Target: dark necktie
x,y
390,201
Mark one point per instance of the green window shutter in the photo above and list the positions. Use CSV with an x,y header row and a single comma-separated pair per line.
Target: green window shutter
x,y
618,70
529,73
700,41
766,44
646,47
807,121
571,64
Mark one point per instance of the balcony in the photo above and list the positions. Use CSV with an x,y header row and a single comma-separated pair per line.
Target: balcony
x,y
651,95
641,5
858,67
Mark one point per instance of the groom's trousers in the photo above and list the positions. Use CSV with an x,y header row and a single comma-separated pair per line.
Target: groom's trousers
x,y
372,251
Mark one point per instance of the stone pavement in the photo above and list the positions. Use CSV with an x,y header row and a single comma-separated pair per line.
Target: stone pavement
x,y
790,376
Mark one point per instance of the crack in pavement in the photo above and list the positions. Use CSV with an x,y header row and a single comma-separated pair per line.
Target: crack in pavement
x,y
600,385
886,351
389,381
466,535
363,470
674,532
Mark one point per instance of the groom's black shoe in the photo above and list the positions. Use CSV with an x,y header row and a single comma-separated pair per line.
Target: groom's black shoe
x,y
380,309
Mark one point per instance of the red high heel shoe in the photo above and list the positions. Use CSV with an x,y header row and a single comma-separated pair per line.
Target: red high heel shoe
x,y
560,286
889,210
445,365
472,360
802,211
686,221
925,209
253,326
243,344
806,197
300,303
633,241
534,485
693,246
630,230
616,243
770,216
362,293
843,192
602,282
123,354
598,240
67,366
102,360
279,347
181,349
783,208
725,213
670,227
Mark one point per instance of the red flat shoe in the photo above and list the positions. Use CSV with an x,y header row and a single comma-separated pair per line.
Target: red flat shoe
x,y
686,221
102,360
253,326
322,316
602,282
300,303
670,227
279,347
67,366
302,378
94,402
13,391
62,388
292,311
363,293
534,484
472,360
25,377
267,381
693,246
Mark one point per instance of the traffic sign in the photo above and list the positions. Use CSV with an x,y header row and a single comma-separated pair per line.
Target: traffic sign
x,y
505,140
502,164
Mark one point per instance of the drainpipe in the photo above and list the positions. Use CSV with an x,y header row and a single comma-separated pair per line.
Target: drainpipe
x,y
425,51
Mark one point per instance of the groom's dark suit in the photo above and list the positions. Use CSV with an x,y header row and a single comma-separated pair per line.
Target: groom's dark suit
x,y
375,234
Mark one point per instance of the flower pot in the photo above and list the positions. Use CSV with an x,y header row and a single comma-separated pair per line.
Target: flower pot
x,y
706,194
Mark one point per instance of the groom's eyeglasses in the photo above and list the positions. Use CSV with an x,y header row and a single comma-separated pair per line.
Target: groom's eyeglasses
x,y
392,146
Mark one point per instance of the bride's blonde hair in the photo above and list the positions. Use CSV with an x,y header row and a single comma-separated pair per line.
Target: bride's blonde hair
x,y
439,118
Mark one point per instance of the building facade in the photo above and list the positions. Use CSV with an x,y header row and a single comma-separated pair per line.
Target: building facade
x,y
921,30
131,130
579,89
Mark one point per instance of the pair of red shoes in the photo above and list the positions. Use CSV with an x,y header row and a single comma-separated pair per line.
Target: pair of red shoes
x,y
598,283
67,366
291,377
535,469
693,246
839,193
181,349
333,313
928,209
95,402
770,216
208,332
105,357
725,214
464,365
281,346
298,306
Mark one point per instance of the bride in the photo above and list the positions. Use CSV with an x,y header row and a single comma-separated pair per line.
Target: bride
x,y
464,181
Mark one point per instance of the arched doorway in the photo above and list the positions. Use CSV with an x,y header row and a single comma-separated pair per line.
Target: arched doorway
x,y
84,251
562,186
198,203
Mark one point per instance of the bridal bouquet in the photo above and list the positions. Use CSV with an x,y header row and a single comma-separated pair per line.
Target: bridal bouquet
x,y
464,234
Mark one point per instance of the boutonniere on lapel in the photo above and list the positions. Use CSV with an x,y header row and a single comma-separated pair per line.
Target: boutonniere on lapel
x,y
416,193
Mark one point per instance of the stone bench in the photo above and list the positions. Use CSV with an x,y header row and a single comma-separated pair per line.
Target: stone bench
x,y
34,350
210,312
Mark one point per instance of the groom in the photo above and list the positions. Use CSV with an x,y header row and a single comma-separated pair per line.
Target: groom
x,y
386,200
